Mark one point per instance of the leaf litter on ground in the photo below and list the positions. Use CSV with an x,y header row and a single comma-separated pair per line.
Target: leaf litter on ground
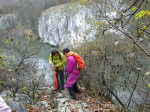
x,y
91,99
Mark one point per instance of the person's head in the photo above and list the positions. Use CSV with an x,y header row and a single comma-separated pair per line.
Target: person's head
x,y
54,52
66,50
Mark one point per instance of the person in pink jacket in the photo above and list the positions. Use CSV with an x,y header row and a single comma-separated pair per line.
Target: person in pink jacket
x,y
3,106
72,73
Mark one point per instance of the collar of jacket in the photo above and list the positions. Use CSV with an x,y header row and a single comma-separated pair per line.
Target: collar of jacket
x,y
69,54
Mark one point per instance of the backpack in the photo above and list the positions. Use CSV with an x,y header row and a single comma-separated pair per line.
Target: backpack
x,y
79,60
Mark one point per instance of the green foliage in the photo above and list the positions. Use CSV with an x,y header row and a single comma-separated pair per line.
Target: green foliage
x,y
136,16
82,1
21,45
112,63
35,100
6,42
3,62
143,107
142,14
133,8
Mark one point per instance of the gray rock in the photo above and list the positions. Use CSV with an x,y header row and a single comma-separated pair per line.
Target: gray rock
x,y
8,21
46,90
43,68
70,23
36,95
65,93
63,102
63,109
41,103
54,103
22,98
84,104
59,95
82,110
64,25
7,94
15,105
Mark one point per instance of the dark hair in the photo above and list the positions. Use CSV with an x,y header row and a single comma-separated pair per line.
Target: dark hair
x,y
54,51
66,50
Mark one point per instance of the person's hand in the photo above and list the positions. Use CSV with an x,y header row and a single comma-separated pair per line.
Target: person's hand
x,y
52,64
55,66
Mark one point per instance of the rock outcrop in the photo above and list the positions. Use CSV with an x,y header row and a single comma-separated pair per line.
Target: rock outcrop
x,y
8,21
71,23
65,24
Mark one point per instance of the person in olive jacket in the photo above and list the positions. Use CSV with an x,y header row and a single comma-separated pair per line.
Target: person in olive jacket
x,y
57,61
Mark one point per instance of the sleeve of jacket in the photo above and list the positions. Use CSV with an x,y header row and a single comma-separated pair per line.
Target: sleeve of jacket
x,y
70,65
50,59
62,62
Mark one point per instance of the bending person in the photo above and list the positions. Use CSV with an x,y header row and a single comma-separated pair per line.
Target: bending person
x,y
57,61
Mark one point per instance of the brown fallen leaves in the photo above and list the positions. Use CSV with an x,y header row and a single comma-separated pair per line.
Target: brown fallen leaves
x,y
92,99
95,104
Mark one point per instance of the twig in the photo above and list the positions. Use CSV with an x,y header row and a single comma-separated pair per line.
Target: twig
x,y
133,90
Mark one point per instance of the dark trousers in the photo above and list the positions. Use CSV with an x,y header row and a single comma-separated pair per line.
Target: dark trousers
x,y
72,90
60,79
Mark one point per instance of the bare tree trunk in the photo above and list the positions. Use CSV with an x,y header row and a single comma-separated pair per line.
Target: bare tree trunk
x,y
33,93
133,89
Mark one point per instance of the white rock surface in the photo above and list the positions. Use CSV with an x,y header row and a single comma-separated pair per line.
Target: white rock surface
x,y
8,21
65,24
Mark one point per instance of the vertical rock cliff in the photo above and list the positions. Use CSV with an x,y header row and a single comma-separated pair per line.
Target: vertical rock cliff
x,y
65,24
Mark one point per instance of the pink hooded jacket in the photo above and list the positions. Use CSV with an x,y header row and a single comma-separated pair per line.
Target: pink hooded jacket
x,y
72,73
3,106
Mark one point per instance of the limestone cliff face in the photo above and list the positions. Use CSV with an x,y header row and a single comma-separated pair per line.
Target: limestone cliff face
x,y
70,23
8,21
64,25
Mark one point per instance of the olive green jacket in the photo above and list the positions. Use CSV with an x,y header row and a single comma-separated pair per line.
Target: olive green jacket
x,y
57,61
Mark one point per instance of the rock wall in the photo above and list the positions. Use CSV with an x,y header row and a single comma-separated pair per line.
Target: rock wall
x,y
71,23
8,21
65,24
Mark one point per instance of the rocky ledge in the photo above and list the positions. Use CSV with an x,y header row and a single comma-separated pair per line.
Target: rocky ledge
x,y
86,101
49,100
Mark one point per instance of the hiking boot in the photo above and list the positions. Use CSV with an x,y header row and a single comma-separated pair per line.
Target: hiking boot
x,y
55,89
72,97
77,92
